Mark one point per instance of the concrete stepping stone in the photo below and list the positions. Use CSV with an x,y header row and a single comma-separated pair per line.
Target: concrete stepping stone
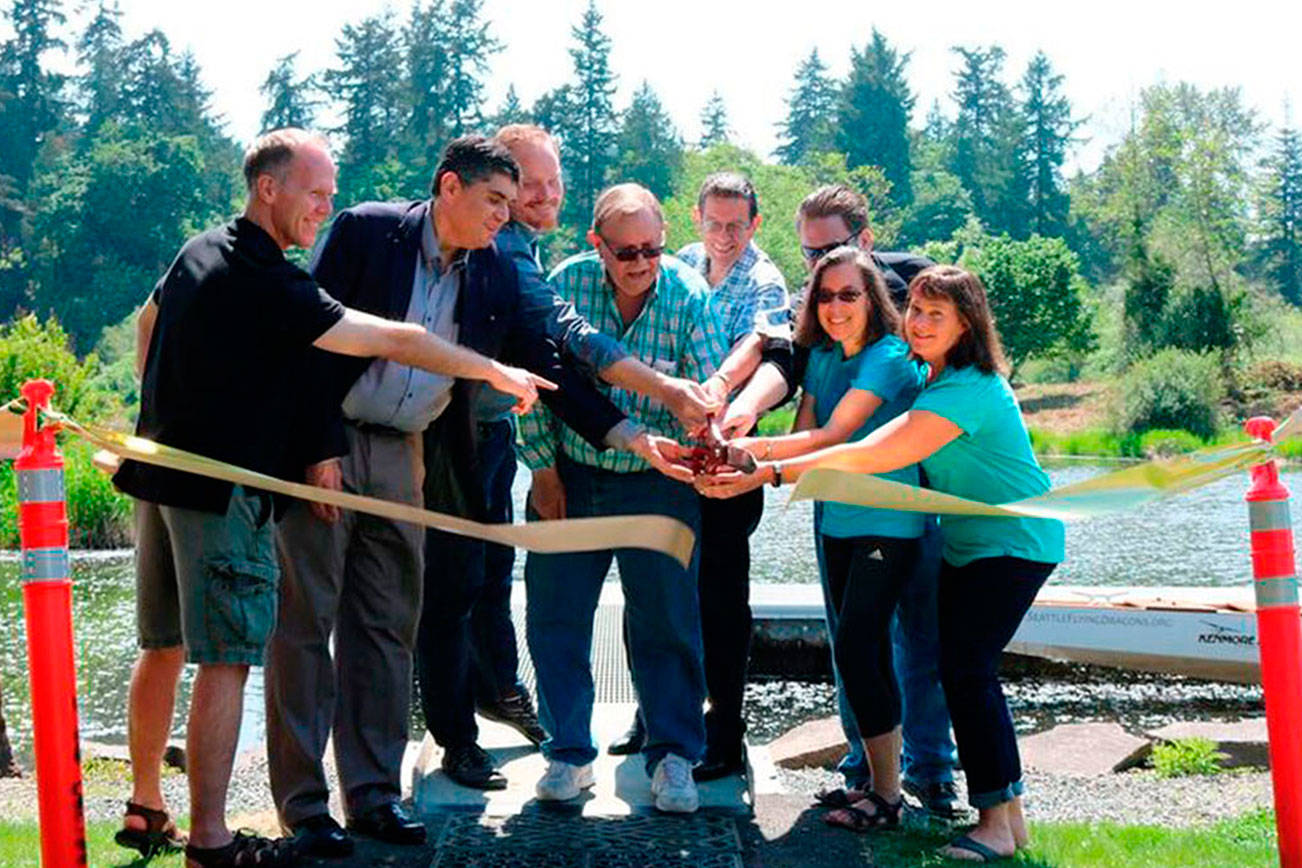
x,y
1083,749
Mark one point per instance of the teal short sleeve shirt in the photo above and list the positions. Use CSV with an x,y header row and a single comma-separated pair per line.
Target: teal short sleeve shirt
x,y
990,462
884,369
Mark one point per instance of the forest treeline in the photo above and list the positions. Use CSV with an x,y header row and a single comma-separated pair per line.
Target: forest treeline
x,y
1186,236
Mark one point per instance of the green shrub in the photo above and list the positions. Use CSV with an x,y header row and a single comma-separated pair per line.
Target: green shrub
x,y
1187,756
31,349
1161,442
1172,389
1055,369
99,516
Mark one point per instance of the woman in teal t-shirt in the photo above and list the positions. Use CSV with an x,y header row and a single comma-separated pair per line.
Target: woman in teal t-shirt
x,y
967,431
859,377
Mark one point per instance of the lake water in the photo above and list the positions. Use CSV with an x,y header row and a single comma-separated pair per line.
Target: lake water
x,y
1198,538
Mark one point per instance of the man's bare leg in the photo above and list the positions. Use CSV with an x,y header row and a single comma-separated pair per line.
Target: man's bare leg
x,y
151,701
212,732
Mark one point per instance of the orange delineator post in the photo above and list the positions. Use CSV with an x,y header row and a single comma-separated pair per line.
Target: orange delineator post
x,y
47,601
1279,636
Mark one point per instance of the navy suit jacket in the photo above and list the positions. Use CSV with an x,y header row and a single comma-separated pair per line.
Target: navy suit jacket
x,y
368,262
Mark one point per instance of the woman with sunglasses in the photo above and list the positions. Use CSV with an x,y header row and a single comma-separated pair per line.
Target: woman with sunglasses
x,y
859,377
966,429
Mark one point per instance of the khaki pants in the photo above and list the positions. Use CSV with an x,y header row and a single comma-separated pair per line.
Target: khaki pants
x,y
360,579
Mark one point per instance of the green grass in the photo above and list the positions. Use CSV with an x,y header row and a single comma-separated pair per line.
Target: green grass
x,y
1242,842
20,845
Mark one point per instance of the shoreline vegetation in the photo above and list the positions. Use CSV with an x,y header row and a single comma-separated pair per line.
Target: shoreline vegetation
x,y
1068,421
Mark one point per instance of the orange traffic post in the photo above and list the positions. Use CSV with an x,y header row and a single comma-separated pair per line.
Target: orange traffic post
x,y
1279,635
47,601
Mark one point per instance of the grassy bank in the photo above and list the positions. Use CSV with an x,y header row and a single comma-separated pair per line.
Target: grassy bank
x,y
1241,842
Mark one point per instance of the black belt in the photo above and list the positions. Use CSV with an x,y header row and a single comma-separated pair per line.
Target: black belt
x,y
373,428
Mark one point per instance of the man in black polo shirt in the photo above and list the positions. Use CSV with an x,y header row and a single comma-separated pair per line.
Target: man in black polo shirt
x,y
224,339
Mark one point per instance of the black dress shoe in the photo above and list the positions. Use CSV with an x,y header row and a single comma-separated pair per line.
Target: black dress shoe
x,y
632,741
713,768
516,711
321,837
471,766
389,823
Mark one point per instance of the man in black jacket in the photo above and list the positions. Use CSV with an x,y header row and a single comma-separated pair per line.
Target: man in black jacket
x,y
222,344
430,262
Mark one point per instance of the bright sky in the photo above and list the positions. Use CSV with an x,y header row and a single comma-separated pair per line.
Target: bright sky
x,y
1108,50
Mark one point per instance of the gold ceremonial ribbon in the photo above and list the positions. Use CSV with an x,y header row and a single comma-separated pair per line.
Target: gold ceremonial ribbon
x,y
1111,492
654,532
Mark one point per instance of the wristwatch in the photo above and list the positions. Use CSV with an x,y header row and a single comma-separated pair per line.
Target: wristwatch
x,y
777,474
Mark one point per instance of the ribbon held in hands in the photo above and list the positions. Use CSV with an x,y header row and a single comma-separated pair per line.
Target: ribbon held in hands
x,y
1111,492
653,532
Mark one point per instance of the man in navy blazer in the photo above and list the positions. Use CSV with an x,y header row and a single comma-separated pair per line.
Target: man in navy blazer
x,y
382,429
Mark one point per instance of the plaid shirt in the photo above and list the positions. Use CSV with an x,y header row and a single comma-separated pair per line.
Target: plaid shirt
x,y
752,297
678,333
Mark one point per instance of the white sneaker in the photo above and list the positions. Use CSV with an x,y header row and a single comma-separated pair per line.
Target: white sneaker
x,y
673,787
563,781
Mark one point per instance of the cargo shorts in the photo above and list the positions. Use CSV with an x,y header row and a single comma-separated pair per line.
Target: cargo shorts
x,y
206,581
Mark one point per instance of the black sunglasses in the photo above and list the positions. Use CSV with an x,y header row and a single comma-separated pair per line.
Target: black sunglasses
x,y
628,254
847,296
813,254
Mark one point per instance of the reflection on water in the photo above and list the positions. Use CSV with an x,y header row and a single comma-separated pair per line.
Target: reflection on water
x,y
1199,538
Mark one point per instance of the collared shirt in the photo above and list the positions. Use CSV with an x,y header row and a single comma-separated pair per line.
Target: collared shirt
x,y
400,396
577,339
677,333
752,297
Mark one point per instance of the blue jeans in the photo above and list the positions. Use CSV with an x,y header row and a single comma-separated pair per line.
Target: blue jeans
x,y
661,614
495,656
929,754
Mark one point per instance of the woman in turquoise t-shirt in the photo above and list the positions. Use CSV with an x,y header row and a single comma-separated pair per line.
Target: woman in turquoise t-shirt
x,y
860,376
967,431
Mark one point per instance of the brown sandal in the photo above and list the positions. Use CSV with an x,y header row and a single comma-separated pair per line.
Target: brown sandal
x,y
159,836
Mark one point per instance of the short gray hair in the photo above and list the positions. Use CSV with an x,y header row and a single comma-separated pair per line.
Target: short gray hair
x,y
271,153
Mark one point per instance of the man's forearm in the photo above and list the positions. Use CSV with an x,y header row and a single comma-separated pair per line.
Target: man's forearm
x,y
765,389
741,362
144,334
634,375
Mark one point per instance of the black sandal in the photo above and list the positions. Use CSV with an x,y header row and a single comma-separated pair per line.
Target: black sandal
x,y
246,850
887,815
839,797
970,845
159,836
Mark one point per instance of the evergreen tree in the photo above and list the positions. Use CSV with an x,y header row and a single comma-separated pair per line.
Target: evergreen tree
x,y
588,128
99,51
470,46
650,150
424,44
511,111
31,96
291,102
1048,128
984,135
369,94
551,110
714,122
876,103
1281,211
809,128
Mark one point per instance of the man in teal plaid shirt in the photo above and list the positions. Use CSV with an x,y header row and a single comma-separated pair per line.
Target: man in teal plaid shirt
x,y
660,309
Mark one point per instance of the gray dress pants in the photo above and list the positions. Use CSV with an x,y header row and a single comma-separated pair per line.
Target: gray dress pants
x,y
360,579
